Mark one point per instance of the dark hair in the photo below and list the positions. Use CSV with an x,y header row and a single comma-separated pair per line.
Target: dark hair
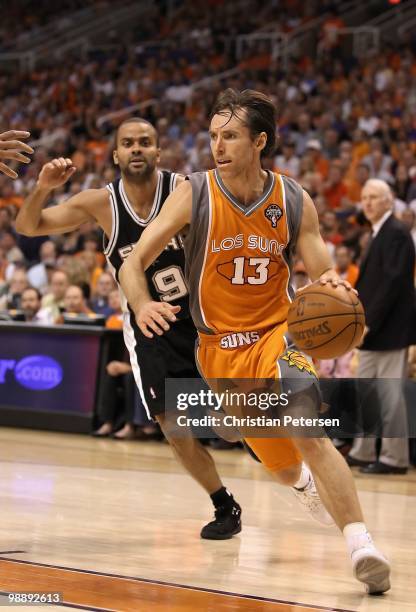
x,y
261,113
38,293
86,290
135,120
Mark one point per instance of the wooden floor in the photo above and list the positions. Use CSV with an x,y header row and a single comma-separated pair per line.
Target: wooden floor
x,y
115,526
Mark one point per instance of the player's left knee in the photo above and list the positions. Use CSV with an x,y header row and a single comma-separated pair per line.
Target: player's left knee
x,y
312,449
287,476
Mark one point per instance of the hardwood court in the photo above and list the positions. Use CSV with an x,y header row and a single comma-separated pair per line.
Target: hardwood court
x,y
115,526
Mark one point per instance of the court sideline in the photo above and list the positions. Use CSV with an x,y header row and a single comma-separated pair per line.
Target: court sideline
x,y
114,526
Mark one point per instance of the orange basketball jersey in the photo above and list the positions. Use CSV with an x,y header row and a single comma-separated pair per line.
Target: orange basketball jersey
x,y
238,257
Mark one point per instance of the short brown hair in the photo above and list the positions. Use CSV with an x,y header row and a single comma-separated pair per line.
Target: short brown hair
x,y
260,110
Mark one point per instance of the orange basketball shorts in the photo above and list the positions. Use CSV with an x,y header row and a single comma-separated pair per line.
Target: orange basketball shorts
x,y
221,356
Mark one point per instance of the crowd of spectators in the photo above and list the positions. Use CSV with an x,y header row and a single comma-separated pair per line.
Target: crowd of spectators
x,y
23,20
342,120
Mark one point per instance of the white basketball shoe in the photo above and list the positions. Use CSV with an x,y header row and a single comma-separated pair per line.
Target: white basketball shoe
x,y
309,499
369,566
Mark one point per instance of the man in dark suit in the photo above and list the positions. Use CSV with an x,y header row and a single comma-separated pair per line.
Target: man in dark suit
x,y
386,288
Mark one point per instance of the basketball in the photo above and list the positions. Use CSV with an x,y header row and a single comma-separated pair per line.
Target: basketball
x,y
326,322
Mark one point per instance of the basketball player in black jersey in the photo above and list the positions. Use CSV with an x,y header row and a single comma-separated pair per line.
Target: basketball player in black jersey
x,y
123,209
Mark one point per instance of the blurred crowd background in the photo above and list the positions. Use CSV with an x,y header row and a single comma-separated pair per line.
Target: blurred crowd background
x,y
345,115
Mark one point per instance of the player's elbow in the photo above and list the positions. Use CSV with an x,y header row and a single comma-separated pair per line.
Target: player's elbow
x,y
24,228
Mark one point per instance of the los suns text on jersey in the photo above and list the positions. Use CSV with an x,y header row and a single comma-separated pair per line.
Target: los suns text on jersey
x,y
261,243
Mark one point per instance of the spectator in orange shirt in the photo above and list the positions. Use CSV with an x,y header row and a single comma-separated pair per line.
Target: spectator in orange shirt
x,y
9,197
347,162
335,190
91,242
360,145
90,261
99,149
114,321
330,228
344,266
361,176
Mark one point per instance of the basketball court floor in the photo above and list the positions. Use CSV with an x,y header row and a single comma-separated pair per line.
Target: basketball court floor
x,y
115,526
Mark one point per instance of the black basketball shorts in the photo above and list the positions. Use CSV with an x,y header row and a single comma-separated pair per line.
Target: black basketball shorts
x,y
171,355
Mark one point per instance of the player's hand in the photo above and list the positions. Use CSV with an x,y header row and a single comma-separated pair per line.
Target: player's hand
x,y
115,368
154,316
56,173
11,148
331,277
365,332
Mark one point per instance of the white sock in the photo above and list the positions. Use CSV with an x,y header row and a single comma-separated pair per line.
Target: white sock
x,y
305,477
356,536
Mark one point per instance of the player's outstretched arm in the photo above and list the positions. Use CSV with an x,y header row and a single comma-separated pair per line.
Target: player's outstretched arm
x,y
11,148
310,245
312,248
175,215
32,220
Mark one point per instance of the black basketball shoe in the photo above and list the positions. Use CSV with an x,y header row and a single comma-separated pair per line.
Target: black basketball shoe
x,y
227,523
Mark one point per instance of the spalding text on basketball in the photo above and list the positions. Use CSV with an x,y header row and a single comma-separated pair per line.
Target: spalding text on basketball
x,y
311,332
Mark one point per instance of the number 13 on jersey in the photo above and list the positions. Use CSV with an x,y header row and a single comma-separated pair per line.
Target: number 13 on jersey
x,y
251,270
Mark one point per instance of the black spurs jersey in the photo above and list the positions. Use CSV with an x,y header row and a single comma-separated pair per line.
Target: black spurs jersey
x,y
165,277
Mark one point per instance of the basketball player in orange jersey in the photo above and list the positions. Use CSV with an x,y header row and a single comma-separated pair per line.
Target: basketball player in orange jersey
x,y
243,223
123,209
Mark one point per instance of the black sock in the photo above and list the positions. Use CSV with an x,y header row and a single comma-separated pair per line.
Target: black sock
x,y
222,498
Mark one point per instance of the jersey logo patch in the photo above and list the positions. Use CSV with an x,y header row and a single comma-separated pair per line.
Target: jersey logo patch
x,y
273,213
299,361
